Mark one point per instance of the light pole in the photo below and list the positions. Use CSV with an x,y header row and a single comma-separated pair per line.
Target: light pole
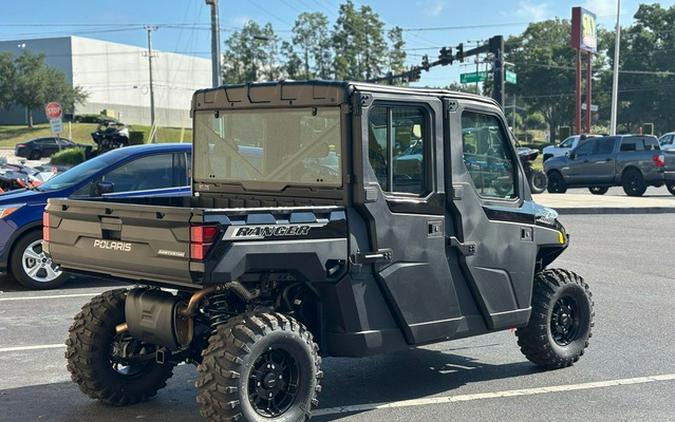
x,y
615,76
216,75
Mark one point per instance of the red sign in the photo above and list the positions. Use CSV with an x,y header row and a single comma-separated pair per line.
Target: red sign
x,y
53,111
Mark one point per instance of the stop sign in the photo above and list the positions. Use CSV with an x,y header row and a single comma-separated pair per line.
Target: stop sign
x,y
53,111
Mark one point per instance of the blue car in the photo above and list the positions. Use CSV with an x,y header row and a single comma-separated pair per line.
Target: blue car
x,y
143,170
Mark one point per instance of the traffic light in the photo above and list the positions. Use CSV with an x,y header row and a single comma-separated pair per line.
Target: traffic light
x,y
445,56
460,52
415,74
425,63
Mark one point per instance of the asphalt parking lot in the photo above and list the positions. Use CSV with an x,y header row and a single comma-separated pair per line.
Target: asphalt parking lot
x,y
628,373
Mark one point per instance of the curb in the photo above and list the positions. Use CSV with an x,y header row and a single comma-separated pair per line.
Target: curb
x,y
614,210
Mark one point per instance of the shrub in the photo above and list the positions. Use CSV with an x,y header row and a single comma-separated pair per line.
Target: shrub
x,y
69,157
136,137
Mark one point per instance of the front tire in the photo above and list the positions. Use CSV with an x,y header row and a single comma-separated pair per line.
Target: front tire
x,y
31,268
561,322
556,183
113,368
259,367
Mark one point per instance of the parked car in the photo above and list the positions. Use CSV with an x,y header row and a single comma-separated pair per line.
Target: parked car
x,y
667,142
143,170
631,161
43,147
564,147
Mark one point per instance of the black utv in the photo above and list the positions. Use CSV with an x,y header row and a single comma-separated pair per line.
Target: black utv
x,y
327,219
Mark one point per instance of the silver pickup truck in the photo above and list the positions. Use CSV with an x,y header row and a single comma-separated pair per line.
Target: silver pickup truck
x,y
632,161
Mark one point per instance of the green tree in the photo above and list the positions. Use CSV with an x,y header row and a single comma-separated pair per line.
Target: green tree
x,y
345,39
310,35
36,84
251,54
7,80
397,54
542,57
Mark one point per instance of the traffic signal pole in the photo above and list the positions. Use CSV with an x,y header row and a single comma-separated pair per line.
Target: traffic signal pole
x,y
496,44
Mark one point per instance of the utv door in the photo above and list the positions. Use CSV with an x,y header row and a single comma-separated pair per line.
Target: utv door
x,y
492,206
396,155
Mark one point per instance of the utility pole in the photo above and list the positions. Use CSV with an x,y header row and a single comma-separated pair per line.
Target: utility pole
x,y
216,75
153,130
615,76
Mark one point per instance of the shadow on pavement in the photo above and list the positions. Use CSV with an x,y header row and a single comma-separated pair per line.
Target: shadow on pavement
x,y
405,375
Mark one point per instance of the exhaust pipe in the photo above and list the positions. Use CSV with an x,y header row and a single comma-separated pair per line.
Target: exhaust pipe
x,y
160,318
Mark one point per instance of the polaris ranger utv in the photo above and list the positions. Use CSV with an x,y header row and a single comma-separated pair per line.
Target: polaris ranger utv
x,y
327,219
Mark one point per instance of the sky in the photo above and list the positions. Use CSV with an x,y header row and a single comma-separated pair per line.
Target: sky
x,y
183,24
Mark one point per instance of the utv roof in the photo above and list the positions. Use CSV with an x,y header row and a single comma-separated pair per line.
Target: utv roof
x,y
311,92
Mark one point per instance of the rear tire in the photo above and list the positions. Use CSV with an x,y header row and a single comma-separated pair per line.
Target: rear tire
x,y
253,358
633,183
556,183
538,181
671,188
31,268
561,321
598,190
96,367
35,155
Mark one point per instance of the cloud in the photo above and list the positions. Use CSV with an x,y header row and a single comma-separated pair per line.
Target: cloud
x,y
602,8
533,11
431,8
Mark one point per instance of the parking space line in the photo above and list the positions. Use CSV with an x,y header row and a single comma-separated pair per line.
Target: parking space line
x,y
39,347
7,299
493,395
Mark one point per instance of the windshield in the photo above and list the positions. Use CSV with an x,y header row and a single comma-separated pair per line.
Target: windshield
x,y
78,173
299,146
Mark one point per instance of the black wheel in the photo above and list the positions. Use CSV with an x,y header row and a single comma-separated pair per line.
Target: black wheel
x,y
556,183
671,187
31,268
633,183
259,367
110,367
598,190
561,321
538,181
35,155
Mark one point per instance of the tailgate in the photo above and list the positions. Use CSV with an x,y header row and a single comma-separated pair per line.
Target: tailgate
x,y
140,242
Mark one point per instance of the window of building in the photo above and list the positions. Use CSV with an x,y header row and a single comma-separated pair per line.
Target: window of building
x,y
398,148
488,155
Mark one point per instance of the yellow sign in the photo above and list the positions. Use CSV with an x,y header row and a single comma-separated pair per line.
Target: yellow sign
x,y
589,31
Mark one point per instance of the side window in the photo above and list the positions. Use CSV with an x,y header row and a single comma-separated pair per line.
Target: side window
x,y
567,143
188,163
150,172
488,156
585,148
398,148
651,143
605,146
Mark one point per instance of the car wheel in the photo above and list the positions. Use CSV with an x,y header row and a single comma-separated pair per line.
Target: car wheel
x,y
561,321
538,181
598,190
556,183
671,188
31,268
633,183
35,155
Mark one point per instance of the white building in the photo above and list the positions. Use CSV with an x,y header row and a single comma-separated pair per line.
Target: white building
x,y
116,77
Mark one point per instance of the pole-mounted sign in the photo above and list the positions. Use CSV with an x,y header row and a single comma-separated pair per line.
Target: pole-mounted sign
x,y
584,38
54,113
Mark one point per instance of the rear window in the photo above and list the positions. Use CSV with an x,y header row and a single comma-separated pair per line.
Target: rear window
x,y
639,143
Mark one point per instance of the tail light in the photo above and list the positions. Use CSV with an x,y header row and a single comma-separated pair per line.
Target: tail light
x,y
201,240
659,160
21,146
45,226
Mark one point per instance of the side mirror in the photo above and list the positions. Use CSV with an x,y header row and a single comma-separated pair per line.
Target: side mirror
x,y
104,187
572,155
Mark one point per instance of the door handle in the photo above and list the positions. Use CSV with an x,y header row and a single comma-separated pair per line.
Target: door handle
x,y
466,249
